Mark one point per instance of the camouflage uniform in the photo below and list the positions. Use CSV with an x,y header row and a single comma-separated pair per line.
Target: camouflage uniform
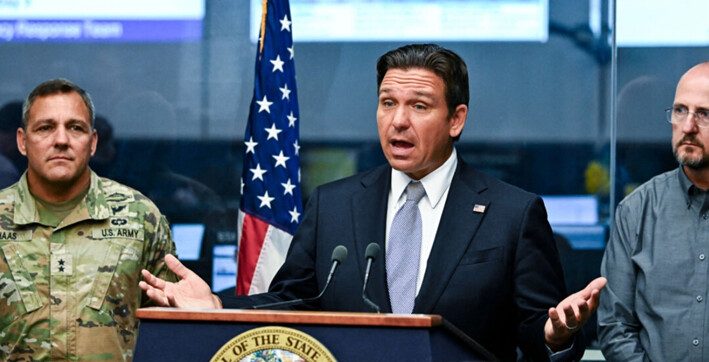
x,y
69,290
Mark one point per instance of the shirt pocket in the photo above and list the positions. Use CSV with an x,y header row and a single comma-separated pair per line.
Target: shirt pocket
x,y
17,286
116,277
115,295
104,274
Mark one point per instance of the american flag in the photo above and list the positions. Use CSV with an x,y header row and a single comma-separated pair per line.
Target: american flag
x,y
271,204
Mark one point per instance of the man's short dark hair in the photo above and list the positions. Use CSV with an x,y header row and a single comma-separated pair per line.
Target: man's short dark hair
x,y
443,62
56,86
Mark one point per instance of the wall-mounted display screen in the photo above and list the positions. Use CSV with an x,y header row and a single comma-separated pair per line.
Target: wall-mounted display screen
x,y
100,21
414,20
643,23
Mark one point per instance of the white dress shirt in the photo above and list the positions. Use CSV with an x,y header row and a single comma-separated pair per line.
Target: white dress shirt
x,y
436,184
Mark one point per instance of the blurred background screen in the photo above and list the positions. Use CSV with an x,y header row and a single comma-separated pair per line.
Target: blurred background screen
x,y
100,21
366,20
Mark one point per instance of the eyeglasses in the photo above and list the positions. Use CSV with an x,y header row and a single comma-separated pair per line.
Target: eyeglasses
x,y
677,115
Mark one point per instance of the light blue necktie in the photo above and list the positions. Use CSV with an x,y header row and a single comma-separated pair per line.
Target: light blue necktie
x,y
403,250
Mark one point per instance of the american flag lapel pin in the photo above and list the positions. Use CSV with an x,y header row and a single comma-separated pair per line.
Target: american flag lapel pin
x,y
480,209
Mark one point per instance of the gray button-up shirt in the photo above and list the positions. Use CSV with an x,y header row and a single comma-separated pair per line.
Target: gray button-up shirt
x,y
654,306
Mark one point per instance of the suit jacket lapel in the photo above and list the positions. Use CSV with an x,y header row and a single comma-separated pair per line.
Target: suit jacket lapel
x,y
369,205
456,229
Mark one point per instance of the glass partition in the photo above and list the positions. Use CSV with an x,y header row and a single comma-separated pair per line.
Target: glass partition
x,y
652,55
174,104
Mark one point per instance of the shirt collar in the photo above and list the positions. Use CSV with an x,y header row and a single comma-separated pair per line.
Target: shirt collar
x,y
435,183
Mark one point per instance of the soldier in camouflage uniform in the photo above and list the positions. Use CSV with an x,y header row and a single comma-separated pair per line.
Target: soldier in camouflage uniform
x,y
72,244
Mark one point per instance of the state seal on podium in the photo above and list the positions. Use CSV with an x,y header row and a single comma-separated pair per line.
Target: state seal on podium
x,y
273,344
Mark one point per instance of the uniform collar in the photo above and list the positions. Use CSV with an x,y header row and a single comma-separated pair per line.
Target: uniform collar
x,y
93,206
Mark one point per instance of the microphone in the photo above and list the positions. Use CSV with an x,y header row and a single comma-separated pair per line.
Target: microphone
x,y
370,254
339,254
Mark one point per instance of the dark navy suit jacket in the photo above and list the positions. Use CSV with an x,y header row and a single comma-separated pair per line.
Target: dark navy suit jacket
x,y
493,274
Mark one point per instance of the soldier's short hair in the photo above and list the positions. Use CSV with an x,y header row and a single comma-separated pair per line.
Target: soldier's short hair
x,y
56,86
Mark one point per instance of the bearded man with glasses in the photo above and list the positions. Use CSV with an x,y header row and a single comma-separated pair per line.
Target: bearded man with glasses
x,y
654,306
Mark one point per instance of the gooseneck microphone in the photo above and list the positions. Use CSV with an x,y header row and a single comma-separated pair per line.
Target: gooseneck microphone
x,y
370,254
339,254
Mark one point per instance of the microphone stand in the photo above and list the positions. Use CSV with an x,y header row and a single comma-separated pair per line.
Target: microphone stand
x,y
370,254
338,257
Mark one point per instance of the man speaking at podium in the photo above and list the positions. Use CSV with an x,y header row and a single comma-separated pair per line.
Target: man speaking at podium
x,y
458,243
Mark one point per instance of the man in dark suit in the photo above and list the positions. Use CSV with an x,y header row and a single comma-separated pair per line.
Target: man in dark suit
x,y
486,260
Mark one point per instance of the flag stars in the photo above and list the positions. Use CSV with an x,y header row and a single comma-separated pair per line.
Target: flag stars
x,y
258,172
265,200
281,160
285,23
268,191
294,215
273,132
251,145
277,64
288,186
264,105
286,92
291,119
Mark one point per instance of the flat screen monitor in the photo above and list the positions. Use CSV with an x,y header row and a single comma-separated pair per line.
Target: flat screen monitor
x,y
188,240
414,20
575,217
101,21
223,267
571,209
657,23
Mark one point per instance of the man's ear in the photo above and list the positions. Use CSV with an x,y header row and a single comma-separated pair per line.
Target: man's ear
x,y
94,141
21,141
457,120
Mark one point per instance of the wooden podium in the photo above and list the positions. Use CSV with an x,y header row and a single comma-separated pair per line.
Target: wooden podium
x,y
168,334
